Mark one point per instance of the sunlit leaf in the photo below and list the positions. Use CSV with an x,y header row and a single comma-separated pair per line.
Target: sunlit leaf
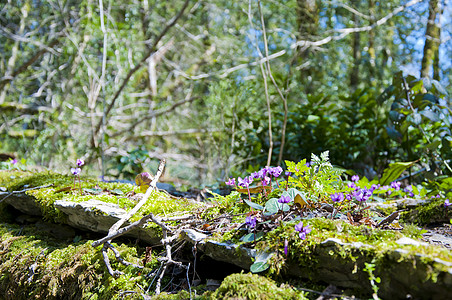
x,y
259,267
394,170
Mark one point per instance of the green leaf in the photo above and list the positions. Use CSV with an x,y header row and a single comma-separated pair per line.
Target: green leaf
x,y
394,134
430,115
254,205
430,97
272,206
394,171
93,191
439,87
427,83
249,238
258,267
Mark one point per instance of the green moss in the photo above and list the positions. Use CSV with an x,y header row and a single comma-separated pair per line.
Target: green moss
x,y
252,286
431,212
159,203
62,271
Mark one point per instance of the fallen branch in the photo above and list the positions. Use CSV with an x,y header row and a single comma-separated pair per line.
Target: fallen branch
x,y
23,191
115,230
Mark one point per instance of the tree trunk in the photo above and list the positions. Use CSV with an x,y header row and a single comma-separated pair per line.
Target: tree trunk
x,y
432,39
308,24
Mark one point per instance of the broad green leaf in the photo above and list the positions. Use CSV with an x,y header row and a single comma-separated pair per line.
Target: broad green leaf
x,y
249,238
259,267
394,170
254,205
430,115
272,206
439,87
394,134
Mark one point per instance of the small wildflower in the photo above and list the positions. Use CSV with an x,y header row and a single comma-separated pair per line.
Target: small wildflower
x,y
14,161
438,196
374,187
447,203
230,182
396,185
367,193
359,195
337,197
245,183
266,180
288,174
286,246
302,230
355,178
284,199
352,185
262,173
409,190
76,171
276,171
80,162
348,197
250,222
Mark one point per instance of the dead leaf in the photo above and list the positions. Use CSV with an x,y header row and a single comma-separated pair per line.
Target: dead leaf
x,y
256,189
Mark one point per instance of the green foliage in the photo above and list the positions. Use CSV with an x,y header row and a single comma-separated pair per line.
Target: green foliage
x,y
319,180
420,121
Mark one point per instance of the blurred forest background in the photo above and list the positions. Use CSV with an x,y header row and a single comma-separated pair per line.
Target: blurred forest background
x,y
222,87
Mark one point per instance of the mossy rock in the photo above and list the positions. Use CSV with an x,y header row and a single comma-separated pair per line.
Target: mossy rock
x,y
34,265
252,286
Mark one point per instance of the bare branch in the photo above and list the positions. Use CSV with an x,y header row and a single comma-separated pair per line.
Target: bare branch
x,y
25,65
154,115
138,66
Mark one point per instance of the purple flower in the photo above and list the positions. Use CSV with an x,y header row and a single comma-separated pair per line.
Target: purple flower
x,y
447,203
337,197
438,196
250,222
396,185
359,195
76,171
231,182
286,246
367,193
302,230
308,164
288,174
348,197
355,178
245,182
284,199
266,180
409,190
262,173
374,187
352,185
80,162
14,161
276,171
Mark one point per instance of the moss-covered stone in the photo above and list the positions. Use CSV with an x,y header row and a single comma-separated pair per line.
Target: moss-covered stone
x,y
252,286
34,265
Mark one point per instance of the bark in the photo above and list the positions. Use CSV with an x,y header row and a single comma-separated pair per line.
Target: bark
x,y
308,25
432,39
